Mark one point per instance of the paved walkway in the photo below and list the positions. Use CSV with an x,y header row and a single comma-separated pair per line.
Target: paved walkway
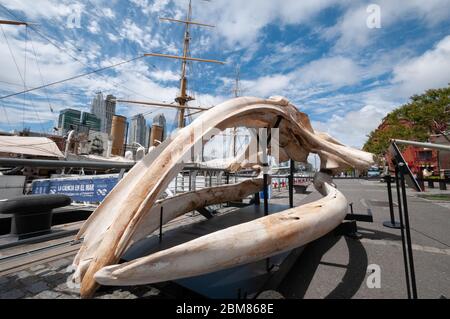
x,y
332,267
337,267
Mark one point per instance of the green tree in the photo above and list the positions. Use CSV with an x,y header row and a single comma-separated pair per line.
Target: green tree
x,y
427,114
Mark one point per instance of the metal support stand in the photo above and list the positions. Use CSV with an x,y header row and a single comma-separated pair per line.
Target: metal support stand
x,y
412,277
291,184
266,200
161,224
121,174
402,171
266,178
206,213
257,199
190,181
349,227
176,184
442,184
391,223
266,193
402,231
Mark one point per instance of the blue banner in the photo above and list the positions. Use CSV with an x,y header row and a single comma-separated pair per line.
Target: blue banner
x,y
90,189
269,193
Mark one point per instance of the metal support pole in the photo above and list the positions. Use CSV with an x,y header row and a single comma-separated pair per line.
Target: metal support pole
x,y
257,199
190,181
442,184
265,161
121,174
266,194
176,184
408,236
392,223
291,184
126,140
402,231
161,224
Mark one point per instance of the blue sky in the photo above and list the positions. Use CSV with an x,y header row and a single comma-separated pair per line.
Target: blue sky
x,y
319,54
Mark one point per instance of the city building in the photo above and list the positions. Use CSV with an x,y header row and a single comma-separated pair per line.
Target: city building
x,y
91,121
147,137
138,130
104,109
419,158
69,119
443,157
118,135
110,106
160,120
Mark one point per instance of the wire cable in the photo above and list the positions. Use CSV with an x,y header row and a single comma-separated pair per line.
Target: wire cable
x,y
24,77
6,113
40,74
72,78
23,81
65,51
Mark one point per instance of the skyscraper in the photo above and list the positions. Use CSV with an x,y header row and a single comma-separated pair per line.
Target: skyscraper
x,y
91,121
160,120
110,106
69,119
104,110
138,130
147,136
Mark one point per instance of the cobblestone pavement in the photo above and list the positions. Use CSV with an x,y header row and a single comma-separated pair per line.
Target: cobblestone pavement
x,y
49,281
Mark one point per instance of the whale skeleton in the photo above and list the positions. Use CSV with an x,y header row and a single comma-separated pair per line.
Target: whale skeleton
x,y
237,245
129,212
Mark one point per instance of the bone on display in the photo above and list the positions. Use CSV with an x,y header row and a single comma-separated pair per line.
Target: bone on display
x,y
131,211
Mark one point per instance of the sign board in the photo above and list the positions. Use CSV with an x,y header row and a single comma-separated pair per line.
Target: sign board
x,y
91,189
302,181
401,162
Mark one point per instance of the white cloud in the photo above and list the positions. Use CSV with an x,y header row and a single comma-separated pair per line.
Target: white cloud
x,y
241,22
45,8
143,36
108,13
353,127
267,85
112,37
352,32
336,71
165,76
431,70
153,6
52,63
330,72
411,76
94,27
282,56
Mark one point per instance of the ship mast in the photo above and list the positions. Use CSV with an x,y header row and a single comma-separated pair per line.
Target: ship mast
x,y
237,82
183,98
237,93
9,22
